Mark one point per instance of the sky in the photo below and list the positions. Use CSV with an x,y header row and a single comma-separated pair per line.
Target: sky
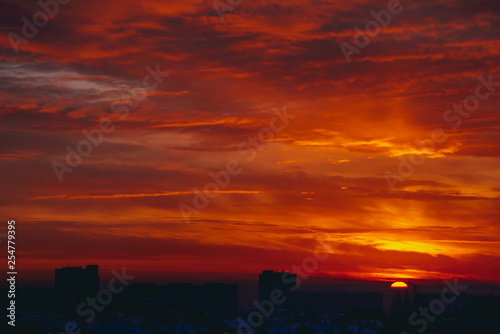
x,y
329,140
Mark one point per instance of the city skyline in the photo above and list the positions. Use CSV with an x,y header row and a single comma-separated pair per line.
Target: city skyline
x,y
180,140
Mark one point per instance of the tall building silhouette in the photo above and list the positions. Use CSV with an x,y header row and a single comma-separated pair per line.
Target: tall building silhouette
x,y
270,280
77,283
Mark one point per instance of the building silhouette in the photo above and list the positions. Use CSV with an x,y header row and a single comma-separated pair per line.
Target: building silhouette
x,y
73,284
338,301
285,282
216,298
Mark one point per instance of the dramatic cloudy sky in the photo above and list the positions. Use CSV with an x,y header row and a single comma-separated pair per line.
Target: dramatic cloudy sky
x,y
322,178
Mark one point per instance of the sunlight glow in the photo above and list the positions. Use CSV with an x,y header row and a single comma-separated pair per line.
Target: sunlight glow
x,y
399,285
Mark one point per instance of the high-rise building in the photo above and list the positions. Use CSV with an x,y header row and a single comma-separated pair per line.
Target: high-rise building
x,y
285,282
77,282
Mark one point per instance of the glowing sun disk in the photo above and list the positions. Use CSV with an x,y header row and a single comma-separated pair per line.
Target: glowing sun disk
x,y
399,285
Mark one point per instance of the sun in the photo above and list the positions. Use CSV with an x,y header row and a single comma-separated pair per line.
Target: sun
x,y
399,285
